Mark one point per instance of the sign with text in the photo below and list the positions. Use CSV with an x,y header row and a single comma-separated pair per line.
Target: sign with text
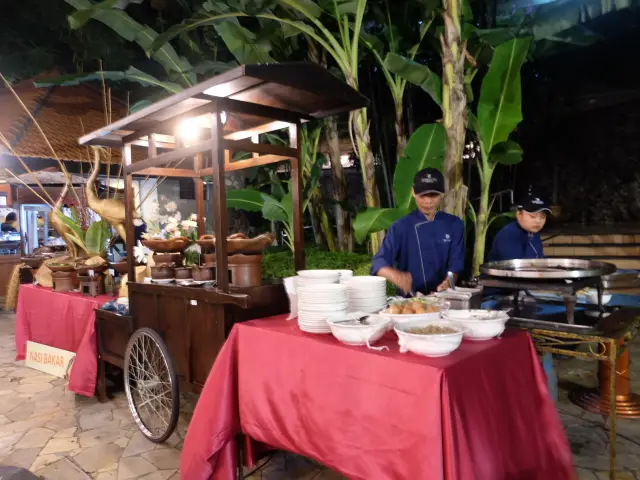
x,y
51,360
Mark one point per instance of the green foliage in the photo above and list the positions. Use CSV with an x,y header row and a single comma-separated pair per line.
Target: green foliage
x,y
279,264
506,153
425,148
130,75
416,74
499,107
97,236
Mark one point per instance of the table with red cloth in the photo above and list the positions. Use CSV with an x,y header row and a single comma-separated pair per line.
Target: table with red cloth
x,y
61,320
482,412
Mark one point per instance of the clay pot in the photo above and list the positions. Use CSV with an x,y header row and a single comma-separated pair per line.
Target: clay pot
x,y
45,249
183,273
163,272
208,258
33,262
171,245
202,274
167,259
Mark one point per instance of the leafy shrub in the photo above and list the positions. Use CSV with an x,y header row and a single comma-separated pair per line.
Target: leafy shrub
x,y
278,263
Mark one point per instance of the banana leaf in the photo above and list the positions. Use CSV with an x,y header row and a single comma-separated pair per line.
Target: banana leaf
x,y
425,148
245,199
416,74
499,107
72,225
506,153
375,220
97,236
128,28
243,43
130,75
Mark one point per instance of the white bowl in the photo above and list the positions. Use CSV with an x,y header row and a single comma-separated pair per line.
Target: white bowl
x,y
479,324
436,345
357,334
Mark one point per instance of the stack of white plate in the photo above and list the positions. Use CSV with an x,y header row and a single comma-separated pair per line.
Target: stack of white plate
x,y
309,278
316,302
345,276
367,294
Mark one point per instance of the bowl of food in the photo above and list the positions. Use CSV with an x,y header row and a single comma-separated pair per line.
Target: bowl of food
x,y
357,328
419,308
429,338
479,324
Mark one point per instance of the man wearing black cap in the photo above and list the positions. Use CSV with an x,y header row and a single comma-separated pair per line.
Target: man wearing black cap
x,y
521,238
420,248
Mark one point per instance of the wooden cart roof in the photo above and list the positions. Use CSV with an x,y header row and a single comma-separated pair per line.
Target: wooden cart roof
x,y
306,90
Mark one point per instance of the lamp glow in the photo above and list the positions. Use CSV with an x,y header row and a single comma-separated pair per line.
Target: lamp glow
x,y
188,130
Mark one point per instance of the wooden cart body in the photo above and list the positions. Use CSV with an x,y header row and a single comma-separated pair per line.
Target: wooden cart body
x,y
230,111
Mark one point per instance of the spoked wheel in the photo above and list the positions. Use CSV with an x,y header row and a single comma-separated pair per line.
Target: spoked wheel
x,y
151,385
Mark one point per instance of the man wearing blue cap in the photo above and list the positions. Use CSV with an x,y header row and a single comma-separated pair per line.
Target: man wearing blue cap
x,y
421,247
521,238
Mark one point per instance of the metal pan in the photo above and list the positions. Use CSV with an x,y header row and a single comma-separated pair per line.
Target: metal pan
x,y
548,268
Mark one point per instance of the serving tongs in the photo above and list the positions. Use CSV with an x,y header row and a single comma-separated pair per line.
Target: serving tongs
x,y
361,320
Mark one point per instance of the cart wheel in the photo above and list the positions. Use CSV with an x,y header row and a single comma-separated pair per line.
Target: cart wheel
x,y
151,385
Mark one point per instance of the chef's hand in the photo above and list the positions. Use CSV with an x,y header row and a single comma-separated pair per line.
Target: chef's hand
x,y
443,286
403,281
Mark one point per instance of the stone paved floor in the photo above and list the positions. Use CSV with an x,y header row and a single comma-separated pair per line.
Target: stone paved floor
x,y
61,436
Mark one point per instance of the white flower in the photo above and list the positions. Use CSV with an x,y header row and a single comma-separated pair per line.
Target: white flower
x,y
171,227
194,247
153,216
194,217
187,224
137,222
177,234
177,217
171,207
141,252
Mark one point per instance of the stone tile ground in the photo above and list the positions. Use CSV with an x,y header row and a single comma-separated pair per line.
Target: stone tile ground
x,y
61,436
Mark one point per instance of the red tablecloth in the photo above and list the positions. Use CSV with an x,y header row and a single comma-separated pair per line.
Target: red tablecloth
x,y
61,320
482,413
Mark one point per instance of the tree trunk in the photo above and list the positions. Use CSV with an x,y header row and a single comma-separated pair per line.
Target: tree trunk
x,y
325,237
481,227
363,150
340,195
454,106
401,135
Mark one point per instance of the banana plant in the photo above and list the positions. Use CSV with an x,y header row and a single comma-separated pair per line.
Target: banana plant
x,y
94,240
278,206
425,148
305,17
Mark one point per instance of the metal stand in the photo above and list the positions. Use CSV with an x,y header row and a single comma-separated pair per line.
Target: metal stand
x,y
611,342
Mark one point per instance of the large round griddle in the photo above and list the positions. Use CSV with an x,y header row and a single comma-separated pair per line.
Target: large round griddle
x,y
548,269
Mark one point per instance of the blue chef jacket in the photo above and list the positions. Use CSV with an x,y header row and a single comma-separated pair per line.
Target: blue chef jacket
x,y
426,249
512,242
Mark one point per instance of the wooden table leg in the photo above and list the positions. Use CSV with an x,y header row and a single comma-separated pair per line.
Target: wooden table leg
x,y
101,382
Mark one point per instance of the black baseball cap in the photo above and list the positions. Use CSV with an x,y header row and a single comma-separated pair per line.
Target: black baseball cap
x,y
533,204
428,180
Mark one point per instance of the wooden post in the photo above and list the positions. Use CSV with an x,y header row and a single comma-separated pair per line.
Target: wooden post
x,y
129,206
199,187
295,135
219,201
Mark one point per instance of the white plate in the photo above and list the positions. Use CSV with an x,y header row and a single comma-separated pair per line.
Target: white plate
x,y
163,280
319,274
322,307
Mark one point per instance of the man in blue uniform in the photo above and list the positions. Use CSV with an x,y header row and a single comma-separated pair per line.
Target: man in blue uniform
x,y
420,248
521,238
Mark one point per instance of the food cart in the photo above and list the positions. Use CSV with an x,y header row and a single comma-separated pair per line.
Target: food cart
x,y
173,333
